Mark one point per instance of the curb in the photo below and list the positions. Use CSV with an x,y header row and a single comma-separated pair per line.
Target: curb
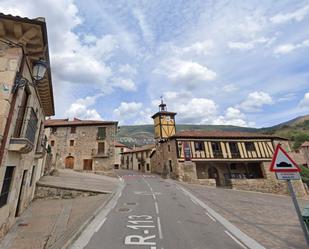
x,y
88,221
40,184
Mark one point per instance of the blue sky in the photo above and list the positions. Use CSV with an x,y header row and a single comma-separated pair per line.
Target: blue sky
x,y
215,62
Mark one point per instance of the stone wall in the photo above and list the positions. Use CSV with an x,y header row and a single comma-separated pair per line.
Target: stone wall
x,y
43,192
85,147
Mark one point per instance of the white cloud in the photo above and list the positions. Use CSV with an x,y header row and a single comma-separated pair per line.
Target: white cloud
x,y
127,110
197,48
229,88
124,84
255,101
187,72
80,108
232,116
289,47
191,110
297,16
249,44
146,31
127,69
304,103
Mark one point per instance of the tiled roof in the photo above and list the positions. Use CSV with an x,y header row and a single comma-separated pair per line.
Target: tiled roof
x,y
139,149
76,122
222,134
117,144
305,144
164,112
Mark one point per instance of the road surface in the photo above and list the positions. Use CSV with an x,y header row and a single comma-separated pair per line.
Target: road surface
x,y
153,213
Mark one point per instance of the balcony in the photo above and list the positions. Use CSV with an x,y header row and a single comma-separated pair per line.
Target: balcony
x,y
21,145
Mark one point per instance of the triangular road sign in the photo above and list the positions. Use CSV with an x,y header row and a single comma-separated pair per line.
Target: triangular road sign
x,y
282,162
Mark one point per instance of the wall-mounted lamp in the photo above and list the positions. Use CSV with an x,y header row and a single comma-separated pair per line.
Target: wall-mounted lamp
x,y
38,72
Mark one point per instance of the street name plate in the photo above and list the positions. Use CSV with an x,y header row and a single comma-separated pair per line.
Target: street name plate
x,y
288,175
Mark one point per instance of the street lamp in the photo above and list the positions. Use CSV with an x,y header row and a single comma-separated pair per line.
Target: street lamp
x,y
38,72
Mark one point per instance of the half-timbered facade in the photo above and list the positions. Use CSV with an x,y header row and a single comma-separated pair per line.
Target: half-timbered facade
x,y
237,160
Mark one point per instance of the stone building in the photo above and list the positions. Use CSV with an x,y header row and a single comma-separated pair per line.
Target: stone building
x,y
236,160
82,144
137,159
26,97
119,149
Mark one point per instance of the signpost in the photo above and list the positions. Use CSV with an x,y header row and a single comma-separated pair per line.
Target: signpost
x,y
286,169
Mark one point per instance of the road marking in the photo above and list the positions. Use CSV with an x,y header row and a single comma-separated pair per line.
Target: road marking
x,y
157,208
154,197
100,224
159,228
210,216
236,240
194,201
244,238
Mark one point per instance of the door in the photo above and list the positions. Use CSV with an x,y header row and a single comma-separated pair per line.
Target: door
x,y
21,193
69,162
88,164
213,173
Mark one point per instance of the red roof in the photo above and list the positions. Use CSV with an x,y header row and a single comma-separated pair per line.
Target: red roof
x,y
139,149
117,144
222,134
305,144
76,122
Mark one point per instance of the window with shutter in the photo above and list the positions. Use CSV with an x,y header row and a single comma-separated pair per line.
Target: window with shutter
x,y
32,126
101,148
101,133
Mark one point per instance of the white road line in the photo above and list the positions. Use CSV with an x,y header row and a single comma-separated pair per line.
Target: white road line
x,y
244,238
159,228
100,224
154,197
157,208
236,240
194,201
210,216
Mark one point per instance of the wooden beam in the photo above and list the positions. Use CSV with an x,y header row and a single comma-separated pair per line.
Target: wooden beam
x,y
2,29
31,33
18,30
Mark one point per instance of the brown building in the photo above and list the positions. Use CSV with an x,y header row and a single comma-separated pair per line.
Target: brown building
x,y
119,149
82,144
138,158
26,97
236,160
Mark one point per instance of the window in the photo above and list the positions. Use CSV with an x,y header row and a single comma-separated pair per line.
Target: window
x,y
32,175
169,148
199,146
101,133
73,129
101,148
52,143
71,142
32,126
233,166
234,150
147,166
170,165
6,185
121,150
53,129
249,146
216,149
168,118
21,114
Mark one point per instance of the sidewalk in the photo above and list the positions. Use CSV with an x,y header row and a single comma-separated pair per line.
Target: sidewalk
x,y
51,223
270,219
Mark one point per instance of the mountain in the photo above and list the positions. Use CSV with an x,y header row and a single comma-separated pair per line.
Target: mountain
x,y
297,130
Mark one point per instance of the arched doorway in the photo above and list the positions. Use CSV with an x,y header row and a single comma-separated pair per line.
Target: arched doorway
x,y
69,162
213,174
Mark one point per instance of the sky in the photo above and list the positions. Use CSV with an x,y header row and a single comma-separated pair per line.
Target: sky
x,y
214,62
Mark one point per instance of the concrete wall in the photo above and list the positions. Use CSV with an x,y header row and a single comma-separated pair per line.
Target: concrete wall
x,y
85,147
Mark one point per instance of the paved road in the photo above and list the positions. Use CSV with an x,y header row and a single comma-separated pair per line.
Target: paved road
x,y
154,213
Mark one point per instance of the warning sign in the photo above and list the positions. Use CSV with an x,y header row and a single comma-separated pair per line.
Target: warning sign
x,y
282,162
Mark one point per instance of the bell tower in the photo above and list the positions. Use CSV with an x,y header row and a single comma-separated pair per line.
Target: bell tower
x,y
164,122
